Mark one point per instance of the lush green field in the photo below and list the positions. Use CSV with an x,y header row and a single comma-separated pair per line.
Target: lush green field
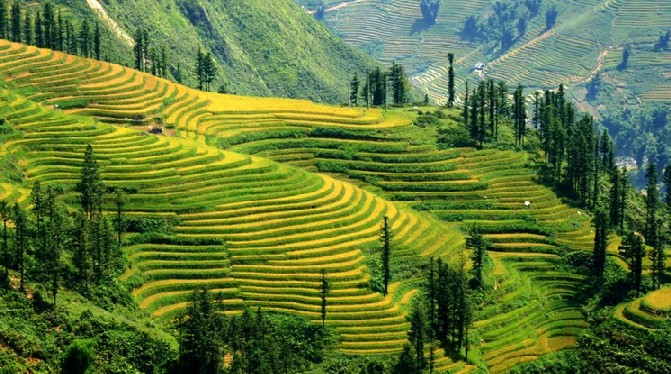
x,y
270,191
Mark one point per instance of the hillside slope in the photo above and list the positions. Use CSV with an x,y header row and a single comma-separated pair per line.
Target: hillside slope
x,y
264,190
588,40
265,48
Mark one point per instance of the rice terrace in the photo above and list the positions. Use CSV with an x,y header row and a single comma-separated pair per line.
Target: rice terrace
x,y
159,218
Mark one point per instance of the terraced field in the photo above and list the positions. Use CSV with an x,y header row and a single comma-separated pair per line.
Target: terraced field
x,y
647,312
296,188
393,31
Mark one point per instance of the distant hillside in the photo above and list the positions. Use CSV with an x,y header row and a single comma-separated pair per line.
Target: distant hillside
x,y
261,47
588,37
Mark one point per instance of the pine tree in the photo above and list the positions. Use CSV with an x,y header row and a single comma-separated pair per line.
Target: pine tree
x,y
81,257
417,335
477,243
28,29
657,256
119,202
406,362
473,127
324,290
49,25
5,215
85,39
635,253
666,179
90,187
615,197
600,245
16,22
38,201
200,69
385,238
210,70
482,104
4,26
465,113
624,188
96,41
651,202
354,90
21,236
491,105
450,81
39,31
55,222
61,32
139,50
200,336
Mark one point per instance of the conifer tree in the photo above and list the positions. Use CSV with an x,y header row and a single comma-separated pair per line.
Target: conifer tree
x,y
624,187
473,128
600,245
119,202
55,222
657,256
38,201
61,32
324,290
200,69
417,335
5,215
90,187
28,29
85,39
491,105
385,238
635,254
96,41
200,335
139,50
210,70
651,202
4,24
49,25
354,90
666,179
81,257
16,22
466,113
21,236
450,81
39,30
615,197
482,104
477,243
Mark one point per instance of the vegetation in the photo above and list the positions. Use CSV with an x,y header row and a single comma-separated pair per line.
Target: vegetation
x,y
228,201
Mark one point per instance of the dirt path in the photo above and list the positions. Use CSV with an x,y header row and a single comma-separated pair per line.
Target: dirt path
x,y
337,7
98,8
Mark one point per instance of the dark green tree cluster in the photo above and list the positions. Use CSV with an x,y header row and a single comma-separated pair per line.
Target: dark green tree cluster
x,y
448,305
257,342
47,28
450,81
508,22
663,41
430,10
50,245
479,245
206,70
375,90
385,239
487,107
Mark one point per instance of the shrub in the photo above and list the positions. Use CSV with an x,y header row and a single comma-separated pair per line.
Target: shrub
x,y
78,357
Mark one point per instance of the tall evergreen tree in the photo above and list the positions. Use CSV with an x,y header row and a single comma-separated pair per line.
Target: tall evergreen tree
x,y
635,253
666,179
210,70
324,290
482,124
417,335
81,257
119,203
466,112
200,336
450,81
49,25
21,237
90,187
4,19
85,39
385,238
657,256
28,29
651,202
96,41
478,244
6,216
55,222
16,22
139,49
39,30
624,188
354,90
600,245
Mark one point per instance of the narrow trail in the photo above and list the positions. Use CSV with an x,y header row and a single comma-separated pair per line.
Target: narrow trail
x,y
98,8
337,7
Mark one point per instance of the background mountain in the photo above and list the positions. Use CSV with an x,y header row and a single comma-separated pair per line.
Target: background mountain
x,y
261,47
583,48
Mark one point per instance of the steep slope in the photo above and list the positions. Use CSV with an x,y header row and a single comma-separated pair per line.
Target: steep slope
x,y
265,48
282,218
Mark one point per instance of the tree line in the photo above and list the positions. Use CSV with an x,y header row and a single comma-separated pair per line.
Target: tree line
x,y
49,29
256,342
375,87
51,245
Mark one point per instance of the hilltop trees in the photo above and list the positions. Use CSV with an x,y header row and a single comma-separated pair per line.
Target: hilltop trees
x,y
551,17
205,70
430,10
